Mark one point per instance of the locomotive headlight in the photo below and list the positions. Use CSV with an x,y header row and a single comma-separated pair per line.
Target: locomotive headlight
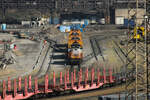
x,y
75,52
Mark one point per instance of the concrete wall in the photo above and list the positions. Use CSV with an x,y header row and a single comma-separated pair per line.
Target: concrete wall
x,y
124,13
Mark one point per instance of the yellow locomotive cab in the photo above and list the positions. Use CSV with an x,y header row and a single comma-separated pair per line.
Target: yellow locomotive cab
x,y
75,38
139,32
75,47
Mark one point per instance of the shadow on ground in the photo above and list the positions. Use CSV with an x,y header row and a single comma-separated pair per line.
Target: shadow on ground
x,y
60,54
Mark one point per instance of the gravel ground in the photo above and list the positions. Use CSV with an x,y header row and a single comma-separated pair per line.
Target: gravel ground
x,y
27,53
25,56
111,58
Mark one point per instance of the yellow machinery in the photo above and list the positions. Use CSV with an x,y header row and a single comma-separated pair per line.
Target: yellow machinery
x,y
23,35
140,33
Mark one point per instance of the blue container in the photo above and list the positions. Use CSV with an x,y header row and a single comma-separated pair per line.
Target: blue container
x,y
83,25
68,28
50,20
81,29
78,26
65,28
56,20
125,22
86,22
62,28
130,22
3,27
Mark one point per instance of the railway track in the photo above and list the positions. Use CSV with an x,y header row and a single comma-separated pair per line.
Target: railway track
x,y
96,48
98,92
49,64
42,69
106,89
38,57
93,49
41,61
117,87
46,60
94,40
87,58
99,49
124,53
118,54
75,89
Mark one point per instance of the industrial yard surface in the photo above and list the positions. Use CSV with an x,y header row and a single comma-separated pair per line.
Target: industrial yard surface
x,y
74,49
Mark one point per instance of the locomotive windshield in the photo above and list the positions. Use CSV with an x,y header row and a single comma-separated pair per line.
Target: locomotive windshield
x,y
75,38
75,45
74,33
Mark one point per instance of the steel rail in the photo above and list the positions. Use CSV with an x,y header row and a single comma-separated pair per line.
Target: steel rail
x,y
99,49
92,46
98,92
43,61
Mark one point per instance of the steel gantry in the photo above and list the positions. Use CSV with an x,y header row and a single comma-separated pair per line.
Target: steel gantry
x,y
61,6
26,4
137,68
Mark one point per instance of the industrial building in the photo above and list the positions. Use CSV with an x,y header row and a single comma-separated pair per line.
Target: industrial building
x,y
61,10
